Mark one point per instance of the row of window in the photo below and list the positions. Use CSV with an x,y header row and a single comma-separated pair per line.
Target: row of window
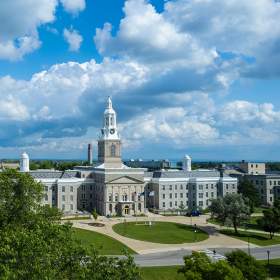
x,y
71,207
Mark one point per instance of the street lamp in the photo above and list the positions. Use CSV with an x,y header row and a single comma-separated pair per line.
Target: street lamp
x,y
268,254
248,236
195,232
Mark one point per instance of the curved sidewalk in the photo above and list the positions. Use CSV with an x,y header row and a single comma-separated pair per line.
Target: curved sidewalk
x,y
215,240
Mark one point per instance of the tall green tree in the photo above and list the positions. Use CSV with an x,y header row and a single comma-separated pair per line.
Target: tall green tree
x,y
35,245
248,265
248,190
199,267
231,209
270,221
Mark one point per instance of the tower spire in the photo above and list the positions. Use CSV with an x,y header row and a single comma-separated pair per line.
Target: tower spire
x,y
109,103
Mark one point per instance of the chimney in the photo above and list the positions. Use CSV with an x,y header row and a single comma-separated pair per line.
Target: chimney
x,y
90,153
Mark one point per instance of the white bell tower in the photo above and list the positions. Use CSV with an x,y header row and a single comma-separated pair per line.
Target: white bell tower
x,y
109,143
187,163
109,130
24,162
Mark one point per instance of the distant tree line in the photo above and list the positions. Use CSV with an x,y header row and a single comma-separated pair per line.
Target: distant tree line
x,y
58,165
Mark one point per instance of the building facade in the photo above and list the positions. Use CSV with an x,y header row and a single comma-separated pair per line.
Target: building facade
x,y
112,188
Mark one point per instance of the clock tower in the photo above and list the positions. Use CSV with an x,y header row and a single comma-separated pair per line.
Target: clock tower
x,y
109,143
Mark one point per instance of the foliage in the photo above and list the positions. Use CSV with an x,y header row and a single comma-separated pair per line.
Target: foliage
x,y
199,267
34,245
248,265
248,190
52,164
94,214
270,221
231,208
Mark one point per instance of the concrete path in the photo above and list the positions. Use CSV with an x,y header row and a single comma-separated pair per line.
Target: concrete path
x,y
215,240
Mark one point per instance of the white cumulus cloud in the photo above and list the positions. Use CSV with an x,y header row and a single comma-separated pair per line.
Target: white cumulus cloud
x,y
74,6
73,38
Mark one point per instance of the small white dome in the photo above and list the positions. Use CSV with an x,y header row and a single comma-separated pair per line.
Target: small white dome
x,y
24,155
187,157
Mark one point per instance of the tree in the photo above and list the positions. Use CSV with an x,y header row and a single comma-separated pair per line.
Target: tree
x,y
34,245
270,221
247,189
199,267
248,265
231,209
94,214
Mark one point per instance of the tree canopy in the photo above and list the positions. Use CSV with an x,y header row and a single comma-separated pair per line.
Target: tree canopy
x,y
270,221
199,267
35,245
248,190
231,209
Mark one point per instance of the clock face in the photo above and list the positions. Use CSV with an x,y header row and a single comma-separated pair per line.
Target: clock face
x,y
112,131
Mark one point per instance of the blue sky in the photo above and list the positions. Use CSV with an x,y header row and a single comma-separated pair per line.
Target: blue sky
x,y
185,76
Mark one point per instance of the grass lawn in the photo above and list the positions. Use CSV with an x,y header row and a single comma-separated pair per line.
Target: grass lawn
x,y
160,232
104,244
273,268
255,238
161,273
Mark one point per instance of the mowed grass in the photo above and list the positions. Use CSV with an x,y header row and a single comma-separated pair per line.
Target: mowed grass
x,y
161,273
161,232
260,239
104,244
273,268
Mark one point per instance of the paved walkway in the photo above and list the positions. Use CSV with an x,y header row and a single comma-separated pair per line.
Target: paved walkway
x,y
215,240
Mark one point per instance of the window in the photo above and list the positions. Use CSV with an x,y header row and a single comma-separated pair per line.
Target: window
x,y
63,206
124,197
163,204
170,187
46,188
200,187
212,194
175,187
163,188
110,197
181,195
139,206
113,150
116,197
46,197
175,203
170,195
71,206
175,195
163,196
110,207
71,197
207,194
63,198
200,195
71,189
91,187
170,204
200,203
181,187
63,189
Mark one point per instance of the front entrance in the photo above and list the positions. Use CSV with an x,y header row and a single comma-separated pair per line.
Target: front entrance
x,y
126,210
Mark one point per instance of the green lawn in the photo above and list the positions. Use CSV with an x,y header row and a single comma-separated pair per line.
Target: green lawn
x,y
273,268
104,244
255,238
160,232
161,273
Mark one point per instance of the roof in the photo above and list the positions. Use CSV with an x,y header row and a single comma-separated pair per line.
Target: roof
x,y
41,174
187,174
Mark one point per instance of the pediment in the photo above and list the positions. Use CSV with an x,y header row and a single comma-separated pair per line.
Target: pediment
x,y
125,180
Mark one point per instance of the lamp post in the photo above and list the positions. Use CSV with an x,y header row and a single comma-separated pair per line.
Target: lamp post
x,y
248,236
268,254
195,232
